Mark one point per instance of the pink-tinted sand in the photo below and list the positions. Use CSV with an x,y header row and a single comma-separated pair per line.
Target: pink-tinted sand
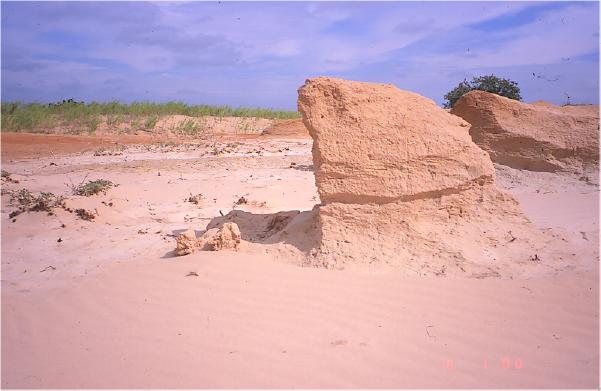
x,y
119,312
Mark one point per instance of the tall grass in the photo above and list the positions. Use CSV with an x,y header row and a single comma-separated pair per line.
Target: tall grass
x,y
17,116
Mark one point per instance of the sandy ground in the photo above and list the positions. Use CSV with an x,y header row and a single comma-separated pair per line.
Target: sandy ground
x,y
119,310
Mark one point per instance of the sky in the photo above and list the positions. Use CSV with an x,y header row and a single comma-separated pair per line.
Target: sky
x,y
257,54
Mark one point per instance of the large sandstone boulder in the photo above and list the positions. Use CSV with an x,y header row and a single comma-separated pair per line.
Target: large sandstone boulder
x,y
403,185
537,137
376,143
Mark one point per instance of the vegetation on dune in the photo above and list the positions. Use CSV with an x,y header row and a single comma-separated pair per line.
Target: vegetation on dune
x,y
92,187
493,84
188,128
17,116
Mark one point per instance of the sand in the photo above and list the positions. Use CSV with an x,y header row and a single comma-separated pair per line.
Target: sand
x,y
119,310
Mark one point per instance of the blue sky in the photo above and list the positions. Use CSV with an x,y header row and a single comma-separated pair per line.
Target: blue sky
x,y
258,54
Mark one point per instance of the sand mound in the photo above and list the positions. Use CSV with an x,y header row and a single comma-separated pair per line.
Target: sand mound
x,y
537,137
403,185
287,127
179,125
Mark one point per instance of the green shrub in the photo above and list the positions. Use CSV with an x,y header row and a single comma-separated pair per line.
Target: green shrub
x,y
493,84
92,187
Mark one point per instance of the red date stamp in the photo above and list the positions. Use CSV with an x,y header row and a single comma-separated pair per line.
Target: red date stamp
x,y
503,362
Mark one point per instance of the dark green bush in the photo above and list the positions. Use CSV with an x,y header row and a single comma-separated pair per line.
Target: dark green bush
x,y
493,84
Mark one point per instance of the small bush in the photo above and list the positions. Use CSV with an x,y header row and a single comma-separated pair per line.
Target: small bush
x,y
93,187
113,120
7,178
85,214
92,124
196,199
493,84
26,201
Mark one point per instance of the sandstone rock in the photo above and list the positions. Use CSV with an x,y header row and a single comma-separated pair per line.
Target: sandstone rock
x,y
226,237
186,242
537,137
376,143
403,186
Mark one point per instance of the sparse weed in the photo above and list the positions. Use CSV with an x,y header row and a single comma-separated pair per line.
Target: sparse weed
x,y
151,122
92,187
189,128
85,214
103,151
244,127
92,124
196,199
113,120
6,177
26,201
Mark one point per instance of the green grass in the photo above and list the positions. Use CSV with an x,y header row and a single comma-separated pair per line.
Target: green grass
x,y
151,122
17,116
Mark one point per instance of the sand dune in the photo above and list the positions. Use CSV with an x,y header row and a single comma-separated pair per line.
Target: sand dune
x,y
248,322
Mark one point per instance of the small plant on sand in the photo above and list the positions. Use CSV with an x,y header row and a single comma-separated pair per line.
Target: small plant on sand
x,y
135,124
92,124
243,127
188,128
113,120
92,187
151,122
26,201
6,177
85,214
103,151
196,199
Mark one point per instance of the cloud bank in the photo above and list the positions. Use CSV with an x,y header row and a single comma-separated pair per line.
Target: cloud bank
x,y
258,54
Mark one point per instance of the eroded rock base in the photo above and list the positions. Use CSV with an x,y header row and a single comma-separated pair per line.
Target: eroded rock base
x,y
478,233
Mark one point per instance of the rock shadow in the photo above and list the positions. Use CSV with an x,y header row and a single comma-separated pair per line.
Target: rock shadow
x,y
303,167
299,229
